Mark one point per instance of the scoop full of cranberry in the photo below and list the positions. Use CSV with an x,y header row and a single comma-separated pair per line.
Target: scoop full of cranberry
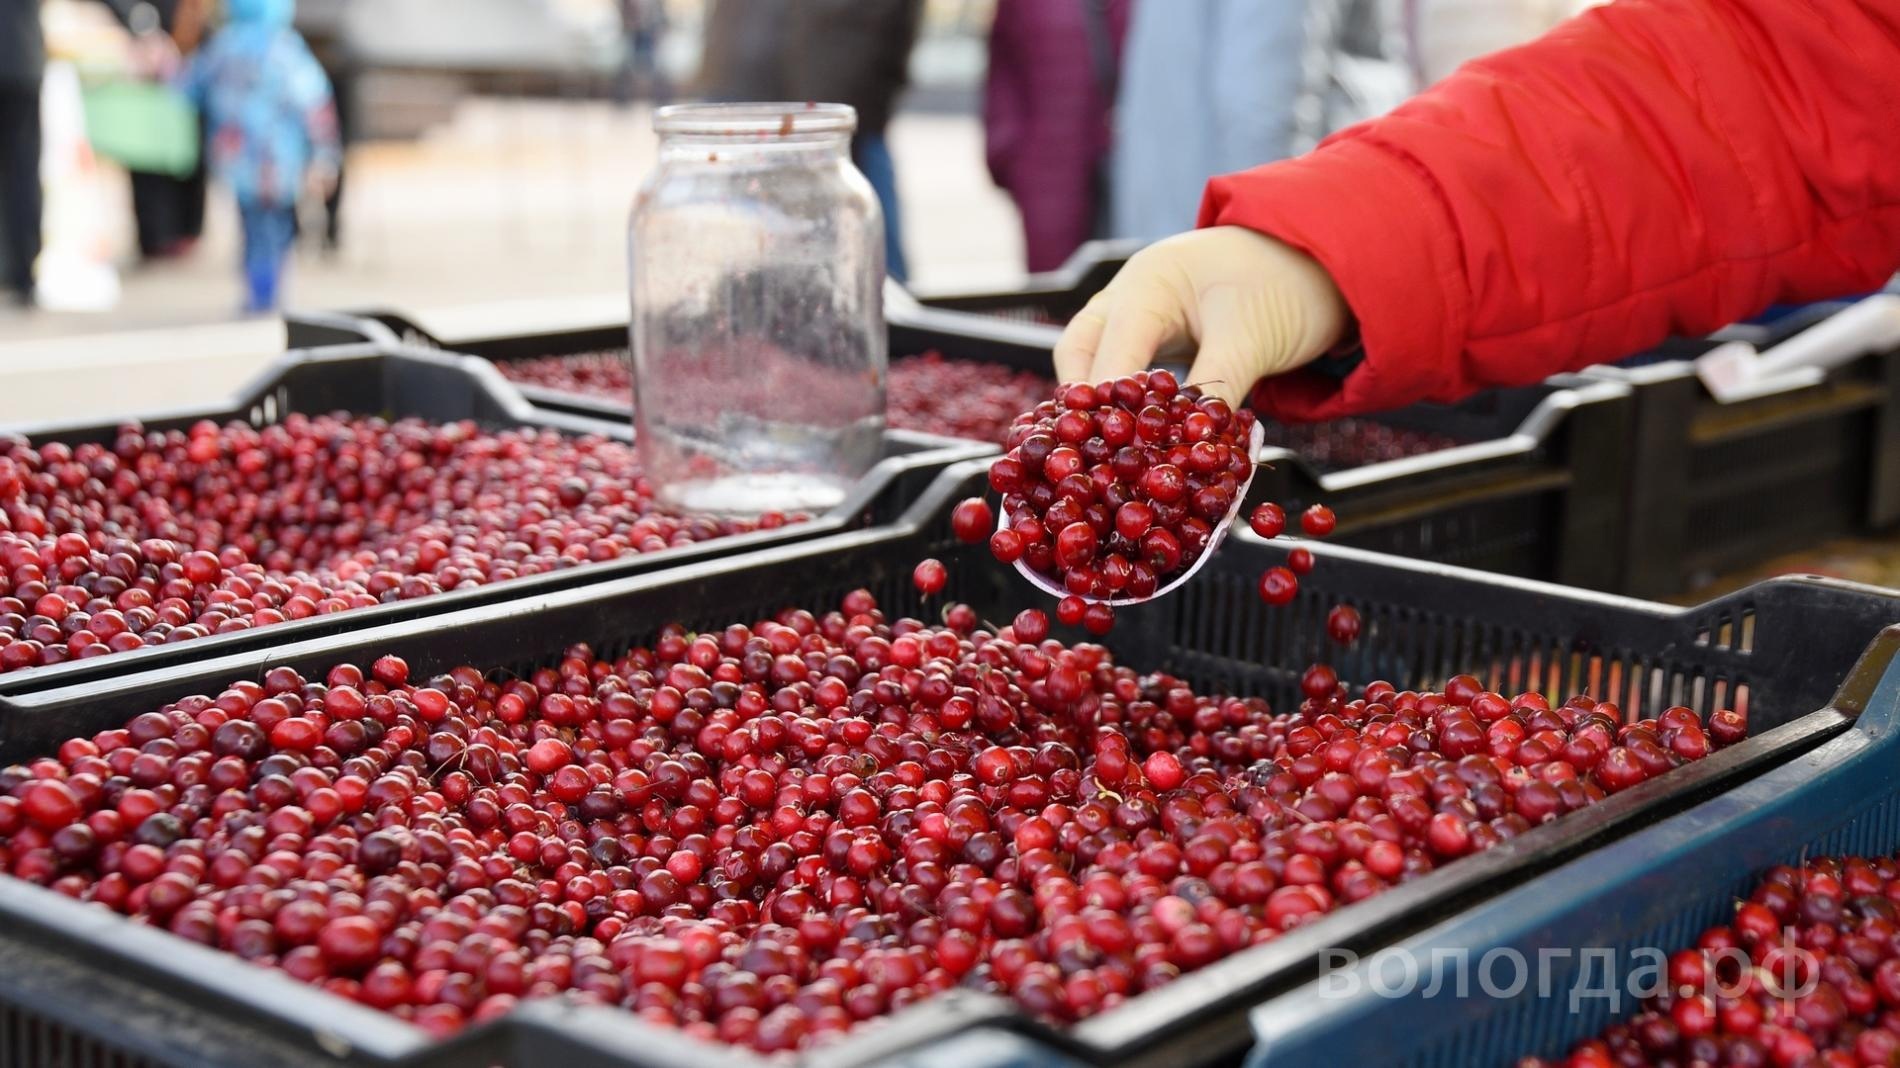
x,y
1114,489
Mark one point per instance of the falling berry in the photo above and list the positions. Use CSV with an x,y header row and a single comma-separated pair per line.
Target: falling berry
x,y
1031,626
1268,520
972,521
1278,585
1300,560
1070,609
1318,521
930,577
1342,624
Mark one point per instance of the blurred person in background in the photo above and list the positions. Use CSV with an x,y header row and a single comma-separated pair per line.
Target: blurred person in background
x,y
742,51
854,52
1053,70
857,52
169,210
22,69
22,65
642,22
1212,86
322,27
273,135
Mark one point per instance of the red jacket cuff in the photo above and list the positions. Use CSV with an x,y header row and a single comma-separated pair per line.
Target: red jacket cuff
x,y
1380,228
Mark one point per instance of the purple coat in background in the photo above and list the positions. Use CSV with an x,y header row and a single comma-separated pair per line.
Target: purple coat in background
x,y
1046,115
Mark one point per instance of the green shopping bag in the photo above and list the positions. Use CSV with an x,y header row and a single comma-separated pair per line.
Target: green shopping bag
x,y
142,126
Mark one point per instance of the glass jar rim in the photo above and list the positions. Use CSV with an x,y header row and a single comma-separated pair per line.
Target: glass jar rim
x,y
786,121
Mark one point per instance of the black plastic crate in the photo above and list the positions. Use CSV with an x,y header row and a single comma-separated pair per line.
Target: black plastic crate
x,y
1537,491
1716,487
1051,298
1779,648
317,330
910,329
396,382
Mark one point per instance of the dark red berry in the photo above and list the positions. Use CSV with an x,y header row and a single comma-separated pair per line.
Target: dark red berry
x,y
1268,520
972,521
1317,521
1278,586
930,577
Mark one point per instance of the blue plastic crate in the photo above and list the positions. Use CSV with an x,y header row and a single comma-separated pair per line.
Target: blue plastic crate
x,y
1658,889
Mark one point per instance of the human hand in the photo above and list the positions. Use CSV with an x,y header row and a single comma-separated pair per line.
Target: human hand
x,y
1251,305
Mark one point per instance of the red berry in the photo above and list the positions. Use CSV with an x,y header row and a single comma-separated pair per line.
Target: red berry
x,y
1031,626
548,755
684,864
972,520
350,943
1278,586
1164,772
930,577
1319,682
1268,520
1134,519
1342,624
1317,521
1070,610
1006,546
1098,618
1075,545
50,804
1300,560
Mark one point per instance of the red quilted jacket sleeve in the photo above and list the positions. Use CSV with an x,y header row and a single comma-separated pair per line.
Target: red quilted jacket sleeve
x,y
1653,166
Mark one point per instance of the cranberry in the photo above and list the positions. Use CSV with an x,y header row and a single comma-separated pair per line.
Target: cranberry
x,y
1268,520
1163,771
1342,624
1317,521
972,520
1006,546
50,804
1278,586
1030,625
930,577
1070,610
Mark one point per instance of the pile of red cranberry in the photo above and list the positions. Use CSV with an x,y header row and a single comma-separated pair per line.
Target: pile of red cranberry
x,y
1807,973
959,398
165,537
1110,490
766,835
1342,444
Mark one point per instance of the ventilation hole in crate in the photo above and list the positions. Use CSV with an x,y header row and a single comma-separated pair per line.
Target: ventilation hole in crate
x,y
1724,632
1748,630
29,1039
1740,702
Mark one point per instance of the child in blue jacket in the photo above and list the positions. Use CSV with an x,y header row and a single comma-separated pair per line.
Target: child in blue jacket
x,y
271,130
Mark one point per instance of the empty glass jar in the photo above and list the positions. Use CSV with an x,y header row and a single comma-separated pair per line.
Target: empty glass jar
x,y
757,255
